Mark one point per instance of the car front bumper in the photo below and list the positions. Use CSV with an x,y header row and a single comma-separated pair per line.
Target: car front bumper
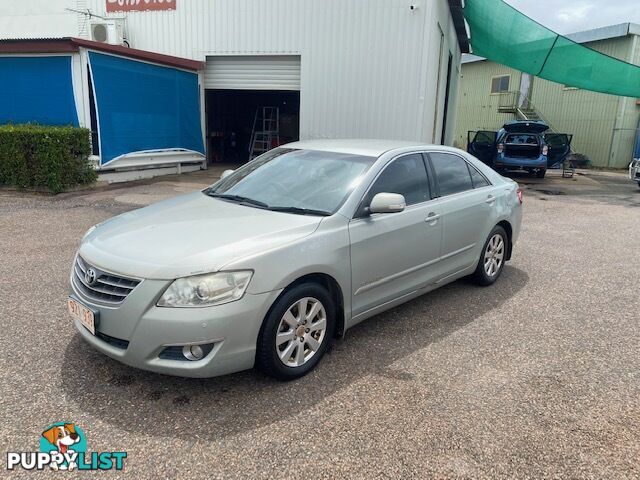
x,y
634,170
137,331
503,161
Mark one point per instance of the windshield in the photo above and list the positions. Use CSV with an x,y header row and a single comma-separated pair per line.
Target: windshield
x,y
297,181
522,139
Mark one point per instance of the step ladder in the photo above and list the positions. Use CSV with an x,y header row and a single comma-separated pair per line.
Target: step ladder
x,y
266,131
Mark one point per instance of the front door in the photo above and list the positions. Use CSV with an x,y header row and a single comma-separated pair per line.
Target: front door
x,y
482,145
395,254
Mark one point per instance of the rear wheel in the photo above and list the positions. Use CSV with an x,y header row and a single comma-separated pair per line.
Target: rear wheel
x,y
296,333
541,173
492,257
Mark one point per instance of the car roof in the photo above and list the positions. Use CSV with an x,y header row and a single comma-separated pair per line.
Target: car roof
x,y
365,147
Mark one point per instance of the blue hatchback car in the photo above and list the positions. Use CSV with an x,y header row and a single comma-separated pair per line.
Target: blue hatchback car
x,y
521,145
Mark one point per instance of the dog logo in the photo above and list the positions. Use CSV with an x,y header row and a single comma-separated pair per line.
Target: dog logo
x,y
90,276
63,437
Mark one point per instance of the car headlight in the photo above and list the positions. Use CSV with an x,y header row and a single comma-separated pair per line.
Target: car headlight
x,y
206,290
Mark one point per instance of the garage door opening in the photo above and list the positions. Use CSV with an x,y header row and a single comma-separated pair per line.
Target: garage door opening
x,y
231,115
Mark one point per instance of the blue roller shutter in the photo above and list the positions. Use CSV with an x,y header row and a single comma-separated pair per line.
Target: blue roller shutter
x,y
142,106
37,90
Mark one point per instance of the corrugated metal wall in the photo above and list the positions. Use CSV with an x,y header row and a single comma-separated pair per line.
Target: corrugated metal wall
x,y
477,107
625,129
590,116
367,66
604,126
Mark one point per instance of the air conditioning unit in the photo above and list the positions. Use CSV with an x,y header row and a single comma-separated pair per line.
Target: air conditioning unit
x,y
108,31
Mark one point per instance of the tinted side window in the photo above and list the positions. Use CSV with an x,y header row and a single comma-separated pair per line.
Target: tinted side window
x,y
407,176
451,172
478,179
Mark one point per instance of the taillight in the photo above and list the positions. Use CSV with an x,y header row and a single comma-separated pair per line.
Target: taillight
x,y
520,195
500,147
545,150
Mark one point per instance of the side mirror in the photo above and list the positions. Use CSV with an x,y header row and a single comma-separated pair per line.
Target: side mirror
x,y
387,203
226,173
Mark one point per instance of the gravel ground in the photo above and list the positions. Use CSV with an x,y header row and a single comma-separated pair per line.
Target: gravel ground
x,y
536,376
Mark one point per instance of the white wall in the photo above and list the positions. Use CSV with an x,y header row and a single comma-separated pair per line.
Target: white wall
x,y
369,67
38,18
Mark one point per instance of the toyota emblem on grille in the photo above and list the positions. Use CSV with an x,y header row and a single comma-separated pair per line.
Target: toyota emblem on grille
x,y
90,276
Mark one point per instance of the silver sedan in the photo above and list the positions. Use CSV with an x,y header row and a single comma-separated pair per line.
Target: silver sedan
x,y
287,252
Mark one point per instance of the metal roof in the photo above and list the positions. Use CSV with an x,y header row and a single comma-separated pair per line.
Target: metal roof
x,y
605,33
71,44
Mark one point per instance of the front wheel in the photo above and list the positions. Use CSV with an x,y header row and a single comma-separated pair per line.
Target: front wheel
x,y
296,332
541,173
492,257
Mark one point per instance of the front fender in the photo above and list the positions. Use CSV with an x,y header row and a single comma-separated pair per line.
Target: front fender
x,y
327,251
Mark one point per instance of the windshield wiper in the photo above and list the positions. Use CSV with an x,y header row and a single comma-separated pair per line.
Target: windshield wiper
x,y
300,211
239,199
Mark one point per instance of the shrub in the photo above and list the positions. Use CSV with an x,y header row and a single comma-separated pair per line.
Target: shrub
x,y
39,156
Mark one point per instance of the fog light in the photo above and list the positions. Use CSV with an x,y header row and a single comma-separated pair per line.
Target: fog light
x,y
186,353
193,352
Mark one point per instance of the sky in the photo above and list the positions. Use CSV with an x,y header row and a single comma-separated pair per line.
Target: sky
x,y
569,16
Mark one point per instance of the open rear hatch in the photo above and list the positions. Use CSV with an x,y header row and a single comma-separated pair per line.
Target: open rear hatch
x,y
526,127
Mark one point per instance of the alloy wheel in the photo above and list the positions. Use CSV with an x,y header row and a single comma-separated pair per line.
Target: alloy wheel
x,y
494,255
301,332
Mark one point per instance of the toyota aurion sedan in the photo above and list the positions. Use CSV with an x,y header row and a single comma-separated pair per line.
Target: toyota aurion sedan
x,y
287,252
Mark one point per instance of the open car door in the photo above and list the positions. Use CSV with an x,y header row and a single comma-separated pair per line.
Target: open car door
x,y
482,145
559,145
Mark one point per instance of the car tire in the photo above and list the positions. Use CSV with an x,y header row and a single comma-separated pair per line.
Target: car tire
x,y
286,323
494,255
541,173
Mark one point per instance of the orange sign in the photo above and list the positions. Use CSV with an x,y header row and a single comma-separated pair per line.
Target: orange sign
x,y
140,5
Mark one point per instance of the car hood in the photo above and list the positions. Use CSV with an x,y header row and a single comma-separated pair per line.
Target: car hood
x,y
188,235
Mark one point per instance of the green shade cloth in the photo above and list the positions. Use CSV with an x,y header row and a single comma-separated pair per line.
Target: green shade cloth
x,y
502,34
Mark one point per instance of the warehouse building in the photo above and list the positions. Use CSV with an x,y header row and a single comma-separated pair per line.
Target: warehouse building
x,y
179,82
605,128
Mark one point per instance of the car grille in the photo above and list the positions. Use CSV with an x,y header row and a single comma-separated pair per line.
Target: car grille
x,y
106,288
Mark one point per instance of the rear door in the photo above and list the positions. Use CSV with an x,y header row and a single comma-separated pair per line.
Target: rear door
x,y
482,145
559,145
467,202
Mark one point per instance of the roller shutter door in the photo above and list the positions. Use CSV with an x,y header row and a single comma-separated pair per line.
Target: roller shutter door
x,y
260,72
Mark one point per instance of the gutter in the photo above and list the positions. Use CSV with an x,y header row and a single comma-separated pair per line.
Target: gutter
x,y
457,13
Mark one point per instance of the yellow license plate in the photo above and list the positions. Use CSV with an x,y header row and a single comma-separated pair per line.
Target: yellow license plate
x,y
83,314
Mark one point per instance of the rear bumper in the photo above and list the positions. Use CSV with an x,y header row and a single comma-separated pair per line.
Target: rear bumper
x,y
502,161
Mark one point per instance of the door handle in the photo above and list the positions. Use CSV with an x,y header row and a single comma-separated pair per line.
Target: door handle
x,y
432,218
490,199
